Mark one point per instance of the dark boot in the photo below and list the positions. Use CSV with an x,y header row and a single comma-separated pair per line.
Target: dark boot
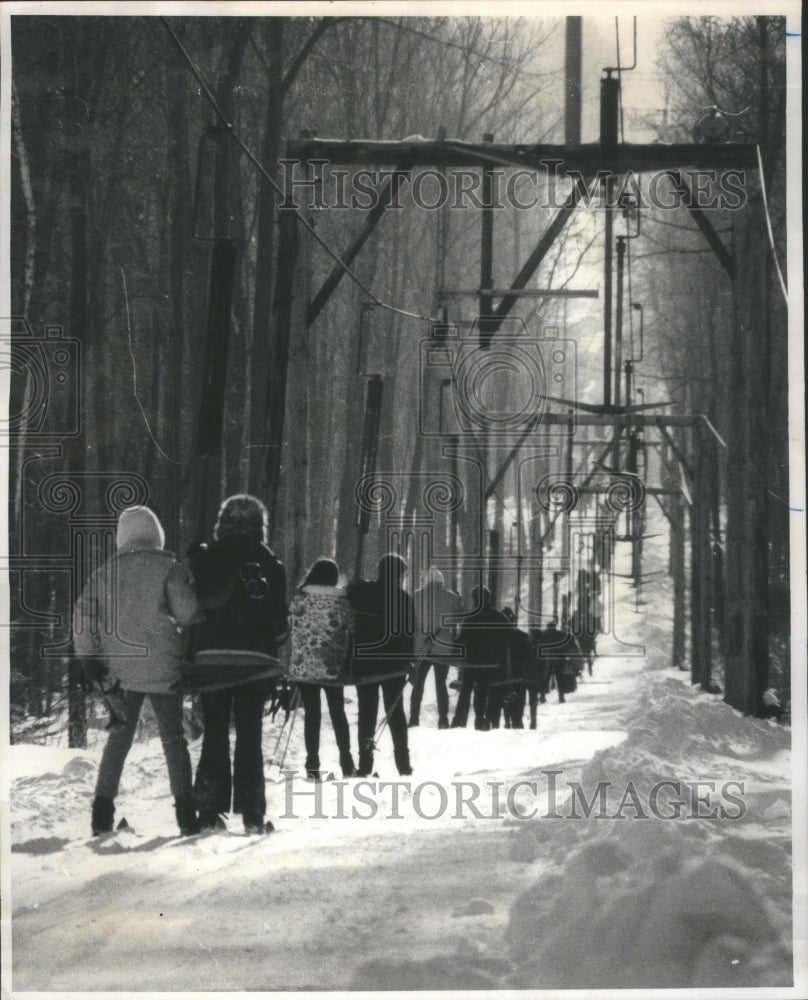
x,y
365,768
187,819
403,763
256,824
103,815
346,762
211,820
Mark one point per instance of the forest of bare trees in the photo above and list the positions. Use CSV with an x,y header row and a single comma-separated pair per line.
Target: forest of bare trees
x,y
125,187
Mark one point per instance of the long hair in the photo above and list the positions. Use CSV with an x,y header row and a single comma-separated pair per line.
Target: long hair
x,y
242,514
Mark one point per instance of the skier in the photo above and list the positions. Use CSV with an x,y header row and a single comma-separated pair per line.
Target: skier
x,y
582,626
483,633
537,677
242,587
563,657
146,594
385,622
321,630
507,692
432,603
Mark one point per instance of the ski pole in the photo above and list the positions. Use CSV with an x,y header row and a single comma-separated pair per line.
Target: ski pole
x,y
296,702
290,719
414,669
283,727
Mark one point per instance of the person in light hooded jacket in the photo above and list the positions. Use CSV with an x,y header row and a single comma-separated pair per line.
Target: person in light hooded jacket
x,y
128,628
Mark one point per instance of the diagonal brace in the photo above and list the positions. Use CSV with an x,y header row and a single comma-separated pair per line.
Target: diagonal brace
x,y
386,198
540,252
725,258
680,455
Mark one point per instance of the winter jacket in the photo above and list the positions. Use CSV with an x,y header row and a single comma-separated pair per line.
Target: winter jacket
x,y
241,588
522,657
559,650
432,603
388,630
321,625
484,634
584,628
131,613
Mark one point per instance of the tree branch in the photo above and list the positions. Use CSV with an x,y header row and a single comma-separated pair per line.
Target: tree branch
x,y
308,45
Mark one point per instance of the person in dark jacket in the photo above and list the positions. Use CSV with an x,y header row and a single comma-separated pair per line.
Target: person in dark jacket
x,y
483,634
563,656
506,695
537,677
433,602
583,627
148,596
241,585
384,648
322,632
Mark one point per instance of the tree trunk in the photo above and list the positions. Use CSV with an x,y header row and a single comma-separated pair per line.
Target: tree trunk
x,y
269,343
747,593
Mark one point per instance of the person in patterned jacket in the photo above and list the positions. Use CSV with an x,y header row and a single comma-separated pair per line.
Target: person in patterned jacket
x,y
321,627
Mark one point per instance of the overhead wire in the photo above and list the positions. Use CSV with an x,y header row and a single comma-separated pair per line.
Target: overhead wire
x,y
769,225
268,177
135,391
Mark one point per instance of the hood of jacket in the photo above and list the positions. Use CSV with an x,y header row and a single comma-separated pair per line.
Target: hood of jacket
x,y
139,528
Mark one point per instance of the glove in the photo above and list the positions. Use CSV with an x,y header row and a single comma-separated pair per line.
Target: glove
x,y
114,700
280,700
93,672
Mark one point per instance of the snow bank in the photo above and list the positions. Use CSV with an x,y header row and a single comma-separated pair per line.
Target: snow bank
x,y
699,900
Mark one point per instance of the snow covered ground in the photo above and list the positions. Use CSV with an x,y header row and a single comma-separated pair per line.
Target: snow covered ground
x,y
426,886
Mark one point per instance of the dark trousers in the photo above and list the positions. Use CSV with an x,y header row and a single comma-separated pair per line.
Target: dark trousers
x,y
534,694
473,691
441,691
507,700
310,695
367,696
214,786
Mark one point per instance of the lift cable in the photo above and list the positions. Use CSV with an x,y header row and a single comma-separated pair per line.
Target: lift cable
x,y
266,174
769,225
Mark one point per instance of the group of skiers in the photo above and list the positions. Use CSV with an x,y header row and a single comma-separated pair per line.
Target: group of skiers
x,y
146,626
